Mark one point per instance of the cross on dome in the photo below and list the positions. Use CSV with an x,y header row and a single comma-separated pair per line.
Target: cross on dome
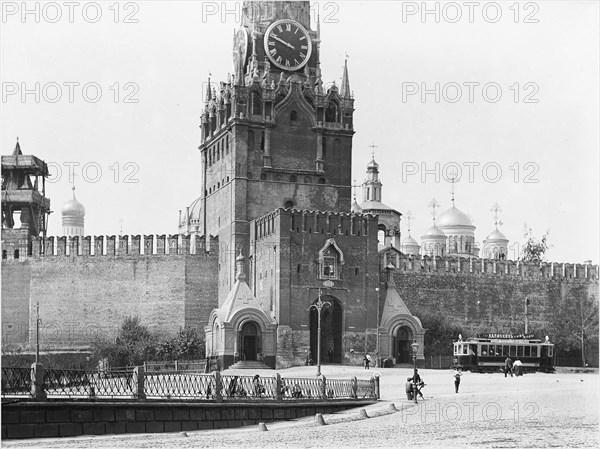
x,y
433,204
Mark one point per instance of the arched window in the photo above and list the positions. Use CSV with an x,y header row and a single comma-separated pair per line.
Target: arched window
x,y
321,180
324,147
293,178
331,113
4,256
289,204
307,179
16,254
256,104
293,117
250,140
330,263
263,176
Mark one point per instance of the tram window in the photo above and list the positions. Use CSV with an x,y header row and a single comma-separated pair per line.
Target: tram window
x,y
464,349
549,351
455,349
492,350
534,351
505,351
484,349
527,352
472,349
513,351
519,351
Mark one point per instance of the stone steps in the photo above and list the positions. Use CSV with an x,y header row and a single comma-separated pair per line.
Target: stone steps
x,y
249,364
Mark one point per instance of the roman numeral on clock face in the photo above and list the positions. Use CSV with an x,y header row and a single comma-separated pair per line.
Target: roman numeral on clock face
x,y
273,51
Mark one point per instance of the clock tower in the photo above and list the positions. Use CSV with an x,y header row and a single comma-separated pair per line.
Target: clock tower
x,y
272,135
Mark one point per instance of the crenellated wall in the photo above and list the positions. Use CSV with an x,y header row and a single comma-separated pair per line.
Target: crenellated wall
x,y
458,265
482,295
87,286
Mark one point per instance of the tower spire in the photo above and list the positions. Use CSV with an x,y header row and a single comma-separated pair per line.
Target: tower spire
x,y
345,87
17,150
208,90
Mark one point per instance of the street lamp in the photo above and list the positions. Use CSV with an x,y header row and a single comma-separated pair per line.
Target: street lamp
x,y
378,357
414,347
319,307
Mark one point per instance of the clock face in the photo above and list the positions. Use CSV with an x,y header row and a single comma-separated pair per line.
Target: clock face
x,y
287,44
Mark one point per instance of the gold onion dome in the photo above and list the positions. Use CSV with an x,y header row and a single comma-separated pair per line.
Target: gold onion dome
x,y
453,217
73,208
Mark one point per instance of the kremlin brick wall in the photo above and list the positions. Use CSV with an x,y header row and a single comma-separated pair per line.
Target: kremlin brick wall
x,y
490,295
83,296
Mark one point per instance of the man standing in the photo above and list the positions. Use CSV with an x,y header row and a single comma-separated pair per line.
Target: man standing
x,y
456,374
408,387
508,364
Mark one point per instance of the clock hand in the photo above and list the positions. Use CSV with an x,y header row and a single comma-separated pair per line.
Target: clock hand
x,y
274,36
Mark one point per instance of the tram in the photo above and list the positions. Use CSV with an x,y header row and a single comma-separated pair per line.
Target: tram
x,y
488,352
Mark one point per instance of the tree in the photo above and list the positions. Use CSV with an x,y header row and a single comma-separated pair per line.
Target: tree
x,y
439,336
580,320
534,250
188,344
134,344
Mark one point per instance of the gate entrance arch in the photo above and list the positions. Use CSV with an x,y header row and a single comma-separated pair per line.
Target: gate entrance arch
x,y
331,331
251,342
403,337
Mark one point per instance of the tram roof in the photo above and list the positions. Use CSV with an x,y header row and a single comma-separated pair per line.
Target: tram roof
x,y
504,341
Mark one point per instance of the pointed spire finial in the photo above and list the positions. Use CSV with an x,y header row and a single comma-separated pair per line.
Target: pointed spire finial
x,y
208,89
372,147
345,91
17,150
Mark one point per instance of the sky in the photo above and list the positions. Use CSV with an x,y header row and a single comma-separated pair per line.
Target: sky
x,y
504,95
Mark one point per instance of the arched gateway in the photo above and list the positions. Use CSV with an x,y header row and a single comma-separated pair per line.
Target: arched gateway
x,y
331,331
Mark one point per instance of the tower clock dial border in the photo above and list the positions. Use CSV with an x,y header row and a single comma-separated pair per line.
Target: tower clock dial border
x,y
287,44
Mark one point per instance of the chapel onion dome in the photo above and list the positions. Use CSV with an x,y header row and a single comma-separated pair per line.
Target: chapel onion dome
x,y
73,208
410,246
496,235
373,164
191,220
409,240
356,209
453,217
433,231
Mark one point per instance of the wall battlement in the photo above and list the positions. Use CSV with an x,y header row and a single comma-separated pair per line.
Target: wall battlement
x,y
111,245
493,267
317,222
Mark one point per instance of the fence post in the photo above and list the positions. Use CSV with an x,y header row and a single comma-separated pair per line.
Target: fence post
x,y
354,381
218,387
177,365
138,382
376,385
278,387
37,382
323,387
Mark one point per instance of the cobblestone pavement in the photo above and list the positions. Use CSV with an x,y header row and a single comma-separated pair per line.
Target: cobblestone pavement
x,y
535,410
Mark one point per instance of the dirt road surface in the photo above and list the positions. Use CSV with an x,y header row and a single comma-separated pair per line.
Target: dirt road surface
x,y
535,410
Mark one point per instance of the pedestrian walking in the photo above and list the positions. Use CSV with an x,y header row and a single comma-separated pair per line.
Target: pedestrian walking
x,y
408,388
367,361
508,365
456,374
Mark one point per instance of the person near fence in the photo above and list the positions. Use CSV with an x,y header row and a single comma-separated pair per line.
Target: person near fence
x,y
296,391
259,389
456,375
508,367
367,361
